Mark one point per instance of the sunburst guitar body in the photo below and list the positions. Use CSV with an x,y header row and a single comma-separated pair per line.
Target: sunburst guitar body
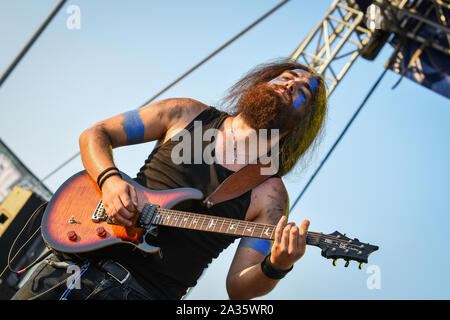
x,y
75,221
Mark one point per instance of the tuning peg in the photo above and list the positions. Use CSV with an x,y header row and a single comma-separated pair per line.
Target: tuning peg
x,y
335,262
347,263
360,266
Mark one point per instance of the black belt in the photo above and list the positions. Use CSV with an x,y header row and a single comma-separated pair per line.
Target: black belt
x,y
120,274
114,269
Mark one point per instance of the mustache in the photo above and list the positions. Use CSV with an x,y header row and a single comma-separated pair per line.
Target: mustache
x,y
277,88
264,108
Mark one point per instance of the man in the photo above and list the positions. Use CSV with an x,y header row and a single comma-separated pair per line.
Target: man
x,y
282,96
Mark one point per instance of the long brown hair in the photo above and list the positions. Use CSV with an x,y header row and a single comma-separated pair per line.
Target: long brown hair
x,y
294,145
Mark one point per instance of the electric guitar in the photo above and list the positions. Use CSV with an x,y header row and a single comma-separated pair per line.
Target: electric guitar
x,y
75,221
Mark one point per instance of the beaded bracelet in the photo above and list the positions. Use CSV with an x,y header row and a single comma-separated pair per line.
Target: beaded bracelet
x,y
270,271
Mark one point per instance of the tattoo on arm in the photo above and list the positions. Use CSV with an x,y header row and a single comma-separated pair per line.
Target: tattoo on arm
x,y
108,141
175,113
274,214
279,207
133,126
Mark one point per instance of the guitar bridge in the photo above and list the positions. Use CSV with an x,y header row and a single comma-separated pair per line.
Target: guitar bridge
x,y
146,216
99,213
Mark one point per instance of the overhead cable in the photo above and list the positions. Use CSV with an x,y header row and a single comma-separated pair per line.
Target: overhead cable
x,y
184,75
349,123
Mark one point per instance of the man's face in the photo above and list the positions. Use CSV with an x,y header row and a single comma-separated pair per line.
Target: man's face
x,y
295,87
280,103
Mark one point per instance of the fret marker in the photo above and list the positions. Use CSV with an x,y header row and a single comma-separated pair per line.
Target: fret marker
x,y
267,232
212,224
195,221
231,227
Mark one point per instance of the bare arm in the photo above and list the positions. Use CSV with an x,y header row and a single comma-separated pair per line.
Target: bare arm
x,y
245,278
157,121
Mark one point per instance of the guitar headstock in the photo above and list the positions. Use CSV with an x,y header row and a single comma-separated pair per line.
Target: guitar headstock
x,y
338,246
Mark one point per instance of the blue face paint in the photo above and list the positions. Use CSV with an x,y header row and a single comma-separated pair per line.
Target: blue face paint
x,y
260,245
313,83
133,126
278,79
299,100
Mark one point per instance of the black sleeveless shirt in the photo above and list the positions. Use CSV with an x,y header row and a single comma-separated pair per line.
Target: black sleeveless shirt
x,y
185,253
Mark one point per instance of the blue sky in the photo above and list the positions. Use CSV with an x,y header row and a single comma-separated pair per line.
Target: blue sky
x,y
386,183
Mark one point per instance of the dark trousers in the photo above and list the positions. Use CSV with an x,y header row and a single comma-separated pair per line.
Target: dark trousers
x,y
56,278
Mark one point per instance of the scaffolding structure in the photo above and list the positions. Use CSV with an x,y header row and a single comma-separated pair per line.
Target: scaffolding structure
x,y
335,43
348,31
406,17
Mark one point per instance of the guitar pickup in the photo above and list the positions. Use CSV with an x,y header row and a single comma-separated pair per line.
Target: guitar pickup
x,y
146,217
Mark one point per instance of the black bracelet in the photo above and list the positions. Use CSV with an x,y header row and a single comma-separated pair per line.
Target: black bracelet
x,y
108,176
104,172
270,271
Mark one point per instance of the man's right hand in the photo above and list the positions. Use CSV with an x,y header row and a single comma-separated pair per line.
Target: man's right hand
x,y
119,200
158,121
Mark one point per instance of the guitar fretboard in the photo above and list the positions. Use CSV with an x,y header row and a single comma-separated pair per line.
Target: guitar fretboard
x,y
240,228
234,227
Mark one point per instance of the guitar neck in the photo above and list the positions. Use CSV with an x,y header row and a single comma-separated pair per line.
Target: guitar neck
x,y
233,227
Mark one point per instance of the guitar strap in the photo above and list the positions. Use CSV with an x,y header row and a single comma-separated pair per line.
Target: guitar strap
x,y
237,184
241,181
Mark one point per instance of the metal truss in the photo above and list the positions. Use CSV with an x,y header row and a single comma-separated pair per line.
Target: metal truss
x,y
335,43
342,36
406,17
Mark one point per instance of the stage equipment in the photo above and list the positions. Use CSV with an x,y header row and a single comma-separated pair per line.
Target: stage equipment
x,y
418,29
15,211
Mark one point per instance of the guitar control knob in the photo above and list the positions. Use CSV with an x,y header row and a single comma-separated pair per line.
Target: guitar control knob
x,y
72,235
101,232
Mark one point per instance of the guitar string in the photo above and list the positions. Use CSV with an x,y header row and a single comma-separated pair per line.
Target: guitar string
x,y
160,220
314,238
260,227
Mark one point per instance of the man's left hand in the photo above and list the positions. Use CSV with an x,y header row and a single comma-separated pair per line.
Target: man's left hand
x,y
289,245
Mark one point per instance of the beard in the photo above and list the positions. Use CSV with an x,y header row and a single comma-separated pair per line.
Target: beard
x,y
263,108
